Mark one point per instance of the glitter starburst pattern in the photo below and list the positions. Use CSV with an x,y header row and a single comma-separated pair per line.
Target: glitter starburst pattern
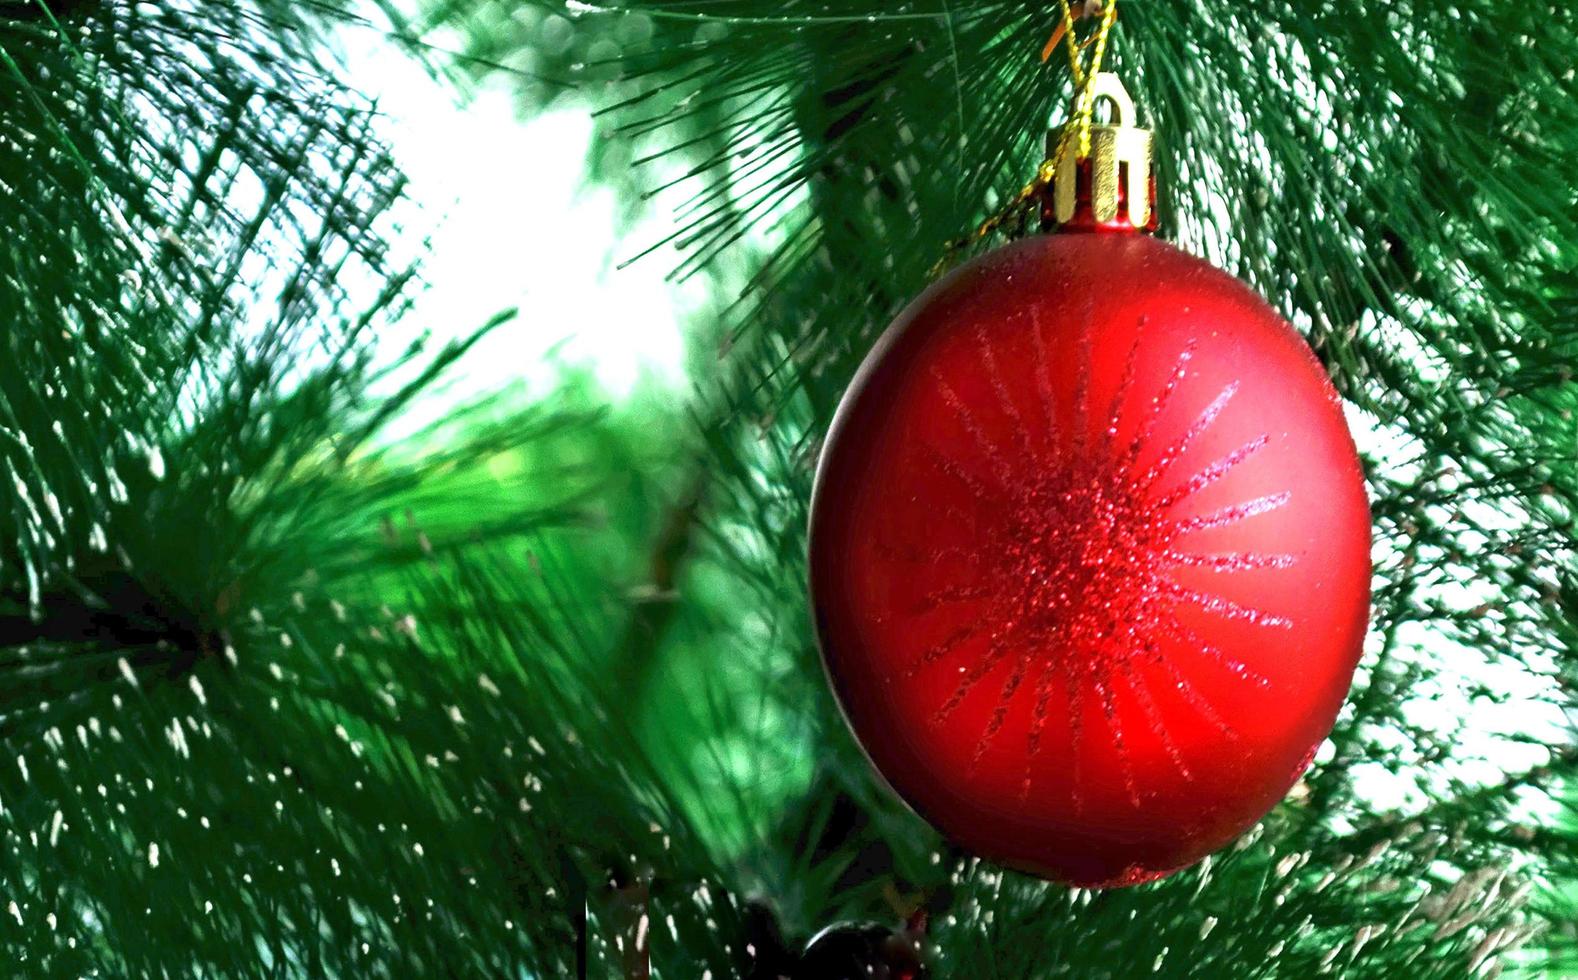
x,y
1071,574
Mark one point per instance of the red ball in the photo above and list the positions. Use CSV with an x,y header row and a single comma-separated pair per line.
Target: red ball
x,y
1090,557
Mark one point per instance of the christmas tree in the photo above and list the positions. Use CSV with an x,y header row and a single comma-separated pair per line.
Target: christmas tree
x,y
308,672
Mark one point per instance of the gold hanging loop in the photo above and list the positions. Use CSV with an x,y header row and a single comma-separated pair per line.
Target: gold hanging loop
x,y
1120,146
1119,154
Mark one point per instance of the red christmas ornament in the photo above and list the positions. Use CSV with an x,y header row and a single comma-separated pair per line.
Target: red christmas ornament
x,y
1090,555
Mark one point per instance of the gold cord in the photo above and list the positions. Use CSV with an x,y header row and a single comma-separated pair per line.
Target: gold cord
x,y
1078,124
1084,82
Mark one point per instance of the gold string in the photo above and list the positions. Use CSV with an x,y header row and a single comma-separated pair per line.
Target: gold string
x,y
1078,124
1066,29
1085,78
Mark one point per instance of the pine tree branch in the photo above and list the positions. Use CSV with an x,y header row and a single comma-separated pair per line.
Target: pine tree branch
x,y
1471,804
655,603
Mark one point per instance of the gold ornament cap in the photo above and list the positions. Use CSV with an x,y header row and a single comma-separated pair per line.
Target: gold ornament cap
x,y
1102,178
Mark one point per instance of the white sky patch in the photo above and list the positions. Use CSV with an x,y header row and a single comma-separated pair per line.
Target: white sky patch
x,y
514,223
